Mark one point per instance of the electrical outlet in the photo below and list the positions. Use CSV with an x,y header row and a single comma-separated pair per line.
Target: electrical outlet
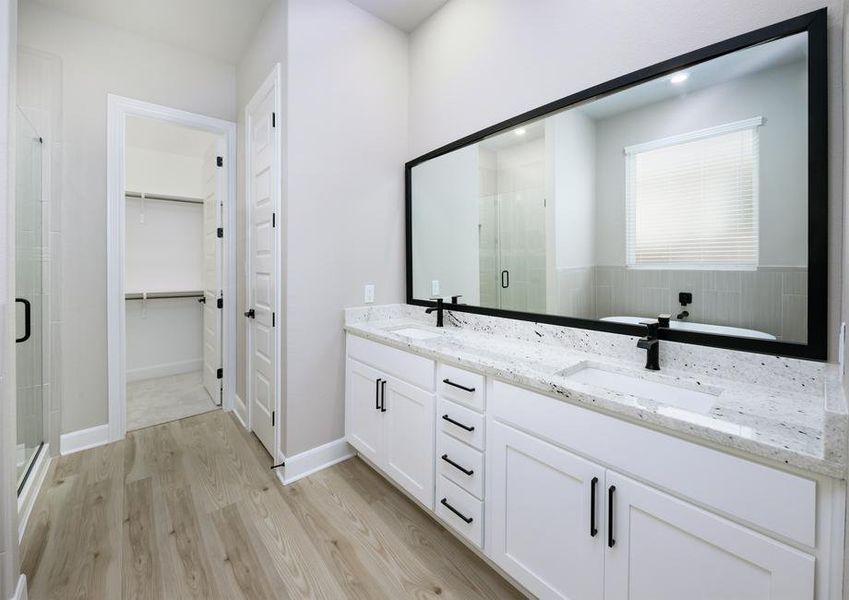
x,y
369,294
434,288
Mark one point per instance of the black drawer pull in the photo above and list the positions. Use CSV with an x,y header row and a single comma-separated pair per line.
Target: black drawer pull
x,y
610,541
593,484
468,472
458,424
27,320
377,394
383,395
444,502
457,385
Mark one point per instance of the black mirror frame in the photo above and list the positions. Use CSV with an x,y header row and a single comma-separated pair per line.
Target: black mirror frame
x,y
814,24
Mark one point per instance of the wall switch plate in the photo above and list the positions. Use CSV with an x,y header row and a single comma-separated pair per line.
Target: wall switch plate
x,y
369,294
434,288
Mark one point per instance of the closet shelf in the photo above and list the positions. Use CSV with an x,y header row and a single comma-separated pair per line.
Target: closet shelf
x,y
163,295
186,199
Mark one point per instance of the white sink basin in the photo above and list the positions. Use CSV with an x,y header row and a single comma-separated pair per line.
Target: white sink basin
x,y
415,333
663,393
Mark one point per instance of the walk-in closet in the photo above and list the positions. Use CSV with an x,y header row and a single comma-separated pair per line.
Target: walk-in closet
x,y
172,272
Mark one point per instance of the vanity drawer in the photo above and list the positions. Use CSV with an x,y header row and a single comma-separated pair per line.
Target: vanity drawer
x,y
462,423
412,368
462,386
469,521
460,463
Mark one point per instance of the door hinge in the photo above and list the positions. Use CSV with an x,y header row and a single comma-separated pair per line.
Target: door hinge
x,y
274,119
219,160
274,319
220,232
220,303
219,374
272,417
274,219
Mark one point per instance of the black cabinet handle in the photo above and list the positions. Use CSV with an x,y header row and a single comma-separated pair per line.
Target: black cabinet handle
x,y
457,385
505,275
27,320
383,395
444,502
457,423
593,484
377,394
251,314
610,541
468,472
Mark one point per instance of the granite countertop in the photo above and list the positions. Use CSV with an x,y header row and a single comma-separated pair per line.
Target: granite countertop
x,y
805,429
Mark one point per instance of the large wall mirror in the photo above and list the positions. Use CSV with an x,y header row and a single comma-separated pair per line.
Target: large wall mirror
x,y
695,188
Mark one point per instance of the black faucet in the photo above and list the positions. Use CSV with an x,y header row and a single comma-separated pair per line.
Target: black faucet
x,y
456,299
439,308
651,344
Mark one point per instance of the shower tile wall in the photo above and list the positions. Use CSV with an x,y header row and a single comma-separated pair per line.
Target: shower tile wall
x,y
771,299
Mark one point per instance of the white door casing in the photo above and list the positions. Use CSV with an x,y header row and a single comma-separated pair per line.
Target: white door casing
x,y
212,203
263,156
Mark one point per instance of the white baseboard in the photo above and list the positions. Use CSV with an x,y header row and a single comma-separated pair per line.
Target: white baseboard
x,y
21,588
83,439
314,460
165,370
241,410
26,499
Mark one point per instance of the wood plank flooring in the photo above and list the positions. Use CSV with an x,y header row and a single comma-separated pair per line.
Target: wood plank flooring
x,y
190,509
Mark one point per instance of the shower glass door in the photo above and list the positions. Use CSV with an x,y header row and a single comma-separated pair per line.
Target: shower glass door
x,y
29,249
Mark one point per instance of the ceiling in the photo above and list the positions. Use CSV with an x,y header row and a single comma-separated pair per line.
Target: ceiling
x,y
219,29
161,136
406,15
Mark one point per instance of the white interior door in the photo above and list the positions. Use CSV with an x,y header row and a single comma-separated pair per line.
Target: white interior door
x,y
263,193
212,203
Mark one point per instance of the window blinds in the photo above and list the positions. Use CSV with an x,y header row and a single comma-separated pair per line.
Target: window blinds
x,y
692,200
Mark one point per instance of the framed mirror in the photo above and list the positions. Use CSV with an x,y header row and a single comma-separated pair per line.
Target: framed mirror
x,y
696,188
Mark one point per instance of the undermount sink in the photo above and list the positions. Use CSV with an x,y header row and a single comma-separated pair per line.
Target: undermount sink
x,y
662,393
414,333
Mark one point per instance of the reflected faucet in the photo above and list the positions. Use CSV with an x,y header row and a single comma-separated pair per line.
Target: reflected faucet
x,y
439,308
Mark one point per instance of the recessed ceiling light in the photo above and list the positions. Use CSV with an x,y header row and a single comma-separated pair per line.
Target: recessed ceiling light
x,y
679,77
520,131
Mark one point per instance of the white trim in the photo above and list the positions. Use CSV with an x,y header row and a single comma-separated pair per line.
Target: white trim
x,y
695,135
312,461
84,439
26,499
118,109
272,81
165,370
241,411
21,588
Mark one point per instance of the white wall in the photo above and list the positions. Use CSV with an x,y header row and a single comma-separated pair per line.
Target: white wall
x,y
446,195
96,61
780,96
347,138
476,63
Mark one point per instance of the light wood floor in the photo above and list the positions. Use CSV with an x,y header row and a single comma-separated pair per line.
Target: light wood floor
x,y
190,509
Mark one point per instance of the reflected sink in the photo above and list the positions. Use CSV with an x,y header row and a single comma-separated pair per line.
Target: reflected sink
x,y
662,393
414,333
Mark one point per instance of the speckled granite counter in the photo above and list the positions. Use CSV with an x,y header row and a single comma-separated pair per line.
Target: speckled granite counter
x,y
788,411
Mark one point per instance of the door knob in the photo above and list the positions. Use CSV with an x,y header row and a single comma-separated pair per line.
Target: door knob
x,y
251,314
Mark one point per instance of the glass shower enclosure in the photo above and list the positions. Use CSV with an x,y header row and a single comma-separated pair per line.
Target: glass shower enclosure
x,y
29,296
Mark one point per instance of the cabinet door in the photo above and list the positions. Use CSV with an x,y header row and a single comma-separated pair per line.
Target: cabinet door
x,y
668,549
363,418
543,528
410,431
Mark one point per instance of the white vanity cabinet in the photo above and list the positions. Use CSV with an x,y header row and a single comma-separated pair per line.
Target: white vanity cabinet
x,y
388,419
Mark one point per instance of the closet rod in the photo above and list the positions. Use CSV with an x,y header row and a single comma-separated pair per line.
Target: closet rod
x,y
185,199
162,295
